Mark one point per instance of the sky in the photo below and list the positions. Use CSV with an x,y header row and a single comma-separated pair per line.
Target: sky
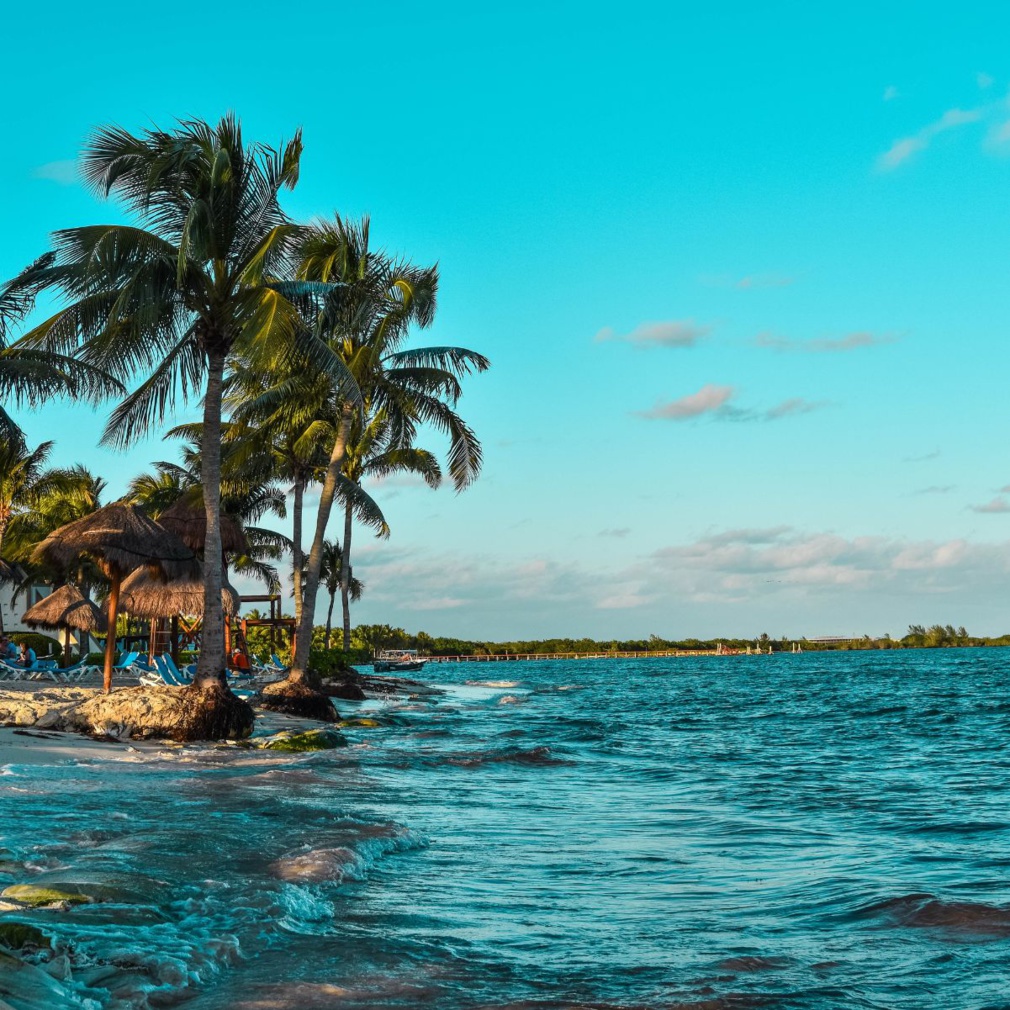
x,y
742,271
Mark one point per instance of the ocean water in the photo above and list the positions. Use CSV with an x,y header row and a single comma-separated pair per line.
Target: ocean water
x,y
789,831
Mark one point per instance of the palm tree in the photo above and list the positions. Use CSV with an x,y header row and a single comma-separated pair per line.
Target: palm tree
x,y
175,298
331,576
28,376
34,501
372,304
282,425
369,454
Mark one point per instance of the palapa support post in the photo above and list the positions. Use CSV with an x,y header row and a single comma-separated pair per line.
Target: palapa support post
x,y
175,639
110,639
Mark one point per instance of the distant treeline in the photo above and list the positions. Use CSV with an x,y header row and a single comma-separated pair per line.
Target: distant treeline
x,y
369,638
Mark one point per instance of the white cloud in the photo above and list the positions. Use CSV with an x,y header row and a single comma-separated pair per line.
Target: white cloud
x,y
850,342
619,533
935,489
708,399
903,148
63,172
890,93
675,333
984,80
994,506
792,406
738,581
923,458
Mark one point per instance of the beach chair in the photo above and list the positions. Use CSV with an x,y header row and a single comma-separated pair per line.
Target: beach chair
x,y
181,677
8,671
126,663
160,675
78,671
275,665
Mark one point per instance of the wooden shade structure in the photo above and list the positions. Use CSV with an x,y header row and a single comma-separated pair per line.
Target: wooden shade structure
x,y
66,608
120,539
144,596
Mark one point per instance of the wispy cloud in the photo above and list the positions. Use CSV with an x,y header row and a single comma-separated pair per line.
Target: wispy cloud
x,y
794,405
675,333
904,147
850,342
890,93
62,172
923,458
619,533
997,505
935,489
984,80
715,401
708,399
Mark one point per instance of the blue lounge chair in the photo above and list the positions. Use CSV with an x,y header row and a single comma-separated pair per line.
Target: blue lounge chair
x,y
126,663
75,672
181,677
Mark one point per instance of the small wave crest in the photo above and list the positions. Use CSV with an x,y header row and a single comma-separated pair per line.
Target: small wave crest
x,y
363,846
509,755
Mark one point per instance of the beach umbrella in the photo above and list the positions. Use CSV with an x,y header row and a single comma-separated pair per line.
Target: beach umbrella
x,y
119,539
144,596
187,519
66,607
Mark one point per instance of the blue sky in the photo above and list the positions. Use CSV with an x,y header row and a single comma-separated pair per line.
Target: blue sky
x,y
743,275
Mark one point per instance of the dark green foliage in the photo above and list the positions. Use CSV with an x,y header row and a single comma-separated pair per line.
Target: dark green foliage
x,y
42,644
335,663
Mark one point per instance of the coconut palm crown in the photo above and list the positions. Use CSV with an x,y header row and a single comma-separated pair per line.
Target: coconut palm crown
x,y
170,300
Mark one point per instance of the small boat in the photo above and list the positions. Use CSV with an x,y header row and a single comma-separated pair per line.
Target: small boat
x,y
397,661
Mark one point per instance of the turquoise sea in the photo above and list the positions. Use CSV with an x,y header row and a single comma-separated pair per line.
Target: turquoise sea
x,y
791,831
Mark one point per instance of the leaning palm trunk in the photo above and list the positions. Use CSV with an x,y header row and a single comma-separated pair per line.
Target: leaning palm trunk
x,y
345,575
303,637
211,665
297,555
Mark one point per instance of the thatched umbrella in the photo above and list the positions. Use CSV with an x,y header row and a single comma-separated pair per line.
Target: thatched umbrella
x,y
66,608
144,596
187,519
120,539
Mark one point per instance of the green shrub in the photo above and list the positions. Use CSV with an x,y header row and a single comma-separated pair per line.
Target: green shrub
x,y
42,644
335,662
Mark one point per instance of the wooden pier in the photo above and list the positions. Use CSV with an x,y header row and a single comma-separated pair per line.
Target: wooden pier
x,y
514,657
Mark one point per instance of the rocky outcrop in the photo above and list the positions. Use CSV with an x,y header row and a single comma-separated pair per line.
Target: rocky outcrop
x,y
20,707
295,697
171,713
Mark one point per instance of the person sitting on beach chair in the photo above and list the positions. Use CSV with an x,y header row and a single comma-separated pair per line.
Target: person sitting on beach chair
x,y
26,657
8,650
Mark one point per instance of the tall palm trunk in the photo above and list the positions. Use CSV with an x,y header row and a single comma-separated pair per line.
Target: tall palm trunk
x,y
303,637
211,665
329,617
297,556
345,576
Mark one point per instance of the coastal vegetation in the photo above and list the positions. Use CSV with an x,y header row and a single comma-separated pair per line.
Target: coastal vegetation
x,y
294,338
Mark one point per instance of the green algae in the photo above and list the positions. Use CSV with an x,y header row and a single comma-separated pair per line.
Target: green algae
x,y
313,739
18,935
36,894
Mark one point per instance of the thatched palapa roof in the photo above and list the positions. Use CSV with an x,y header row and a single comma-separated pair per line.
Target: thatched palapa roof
x,y
66,607
120,538
143,596
187,519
